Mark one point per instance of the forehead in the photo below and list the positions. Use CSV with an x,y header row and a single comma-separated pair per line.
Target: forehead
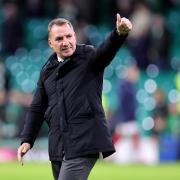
x,y
61,30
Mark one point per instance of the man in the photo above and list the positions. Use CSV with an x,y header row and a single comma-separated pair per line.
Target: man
x,y
68,97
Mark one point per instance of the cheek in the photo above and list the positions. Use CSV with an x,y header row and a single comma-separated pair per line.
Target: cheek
x,y
73,41
55,45
74,45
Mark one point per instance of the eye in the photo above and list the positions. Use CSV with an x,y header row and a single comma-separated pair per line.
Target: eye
x,y
69,36
58,38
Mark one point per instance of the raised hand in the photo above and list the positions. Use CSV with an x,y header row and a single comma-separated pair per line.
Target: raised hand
x,y
123,25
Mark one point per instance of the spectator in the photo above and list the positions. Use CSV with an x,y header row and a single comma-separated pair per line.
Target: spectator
x,y
2,93
35,8
160,112
68,9
139,41
160,43
125,7
125,124
12,29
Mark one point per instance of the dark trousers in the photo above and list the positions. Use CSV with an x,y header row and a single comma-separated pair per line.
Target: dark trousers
x,y
73,169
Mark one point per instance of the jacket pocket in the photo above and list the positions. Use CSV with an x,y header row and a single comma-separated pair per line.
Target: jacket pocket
x,y
81,118
80,111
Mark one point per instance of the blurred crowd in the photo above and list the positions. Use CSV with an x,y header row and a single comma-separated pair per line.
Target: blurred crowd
x,y
141,92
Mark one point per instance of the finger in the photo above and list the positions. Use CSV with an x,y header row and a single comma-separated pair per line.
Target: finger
x,y
19,156
118,17
21,160
21,152
118,21
129,26
125,22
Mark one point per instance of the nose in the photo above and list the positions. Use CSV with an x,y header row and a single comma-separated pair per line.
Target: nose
x,y
65,42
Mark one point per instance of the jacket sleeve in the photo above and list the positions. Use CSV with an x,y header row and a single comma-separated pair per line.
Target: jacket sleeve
x,y
107,50
35,114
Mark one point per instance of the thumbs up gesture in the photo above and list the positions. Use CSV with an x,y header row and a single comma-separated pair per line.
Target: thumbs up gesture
x,y
123,25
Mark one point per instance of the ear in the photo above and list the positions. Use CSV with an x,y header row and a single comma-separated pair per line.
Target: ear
x,y
49,42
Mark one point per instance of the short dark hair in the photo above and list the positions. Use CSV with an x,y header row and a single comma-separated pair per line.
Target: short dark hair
x,y
59,22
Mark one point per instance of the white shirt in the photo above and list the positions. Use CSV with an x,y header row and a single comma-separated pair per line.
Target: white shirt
x,y
60,59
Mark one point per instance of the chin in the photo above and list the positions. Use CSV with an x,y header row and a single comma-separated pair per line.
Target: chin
x,y
68,54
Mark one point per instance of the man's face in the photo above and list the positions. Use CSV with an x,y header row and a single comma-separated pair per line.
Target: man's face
x,y
62,40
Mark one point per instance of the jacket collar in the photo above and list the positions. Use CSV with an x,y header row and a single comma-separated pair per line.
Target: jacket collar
x,y
52,61
78,50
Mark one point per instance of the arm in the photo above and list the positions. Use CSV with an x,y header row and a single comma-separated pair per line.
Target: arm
x,y
35,115
34,120
108,49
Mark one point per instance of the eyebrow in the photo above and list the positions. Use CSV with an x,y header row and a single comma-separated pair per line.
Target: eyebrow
x,y
67,35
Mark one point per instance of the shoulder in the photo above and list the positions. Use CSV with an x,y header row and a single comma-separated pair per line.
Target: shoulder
x,y
49,62
84,48
89,48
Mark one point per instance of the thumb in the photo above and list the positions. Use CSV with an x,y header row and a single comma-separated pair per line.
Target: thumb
x,y
118,17
20,155
118,21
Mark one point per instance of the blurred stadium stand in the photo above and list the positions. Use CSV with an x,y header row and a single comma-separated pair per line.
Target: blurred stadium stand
x,y
153,45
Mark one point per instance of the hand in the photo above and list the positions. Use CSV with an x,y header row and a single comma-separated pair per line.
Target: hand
x,y
22,150
123,25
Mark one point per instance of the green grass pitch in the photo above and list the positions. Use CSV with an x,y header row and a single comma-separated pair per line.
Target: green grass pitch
x,y
102,171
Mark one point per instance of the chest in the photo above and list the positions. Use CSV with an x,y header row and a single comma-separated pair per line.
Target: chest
x,y
67,77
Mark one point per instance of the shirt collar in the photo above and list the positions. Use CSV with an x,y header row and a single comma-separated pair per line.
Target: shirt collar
x,y
54,59
60,59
